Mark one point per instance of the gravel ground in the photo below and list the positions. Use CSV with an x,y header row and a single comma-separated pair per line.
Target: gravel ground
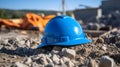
x,y
18,49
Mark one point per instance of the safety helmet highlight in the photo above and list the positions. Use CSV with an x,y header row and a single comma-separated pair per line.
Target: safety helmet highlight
x,y
63,31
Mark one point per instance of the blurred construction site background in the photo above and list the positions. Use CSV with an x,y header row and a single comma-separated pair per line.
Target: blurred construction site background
x,y
102,17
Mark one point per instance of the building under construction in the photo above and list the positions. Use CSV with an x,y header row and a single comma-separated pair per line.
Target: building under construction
x,y
90,14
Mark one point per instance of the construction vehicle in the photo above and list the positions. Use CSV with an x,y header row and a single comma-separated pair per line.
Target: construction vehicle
x,y
31,21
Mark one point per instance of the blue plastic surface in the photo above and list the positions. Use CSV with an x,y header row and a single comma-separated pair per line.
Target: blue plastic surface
x,y
63,31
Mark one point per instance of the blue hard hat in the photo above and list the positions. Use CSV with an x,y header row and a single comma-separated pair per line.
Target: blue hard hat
x,y
63,31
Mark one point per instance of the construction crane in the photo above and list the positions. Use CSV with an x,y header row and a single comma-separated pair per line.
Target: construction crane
x,y
81,5
63,7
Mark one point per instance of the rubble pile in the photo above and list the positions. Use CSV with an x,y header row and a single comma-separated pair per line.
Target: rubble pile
x,y
18,49
112,19
105,22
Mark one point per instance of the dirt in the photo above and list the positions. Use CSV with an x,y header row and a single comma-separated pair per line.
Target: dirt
x,y
18,45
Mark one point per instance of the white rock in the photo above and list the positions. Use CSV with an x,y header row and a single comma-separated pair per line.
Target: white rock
x,y
55,52
34,58
106,61
5,41
28,61
66,62
55,59
69,64
62,63
49,60
28,43
69,53
18,64
22,42
92,63
104,47
43,60
49,65
65,59
36,65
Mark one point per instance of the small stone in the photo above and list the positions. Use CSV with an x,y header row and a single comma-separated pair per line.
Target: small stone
x,y
117,44
22,42
11,41
106,61
49,60
18,64
5,41
40,59
13,56
55,52
104,47
57,48
92,63
100,40
36,65
55,59
28,43
65,59
62,63
24,32
28,61
111,39
49,65
43,60
69,53
69,64
116,57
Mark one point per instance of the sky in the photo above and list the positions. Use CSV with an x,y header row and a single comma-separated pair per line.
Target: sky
x,y
47,4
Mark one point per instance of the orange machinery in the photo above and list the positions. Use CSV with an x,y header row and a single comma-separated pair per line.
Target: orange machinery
x,y
31,21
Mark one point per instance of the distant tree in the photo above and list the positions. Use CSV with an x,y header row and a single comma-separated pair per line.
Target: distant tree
x,y
3,14
69,13
16,14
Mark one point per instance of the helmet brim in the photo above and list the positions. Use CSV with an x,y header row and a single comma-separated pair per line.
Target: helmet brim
x,y
70,43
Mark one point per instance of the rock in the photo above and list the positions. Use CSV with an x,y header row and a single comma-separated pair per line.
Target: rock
x,y
62,63
49,65
117,44
106,61
93,26
94,54
65,59
40,59
100,40
13,56
69,53
66,62
34,45
49,60
28,61
11,41
92,63
57,48
116,57
69,64
28,43
43,60
22,42
24,32
111,39
104,47
55,59
5,41
36,65
18,64
55,52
